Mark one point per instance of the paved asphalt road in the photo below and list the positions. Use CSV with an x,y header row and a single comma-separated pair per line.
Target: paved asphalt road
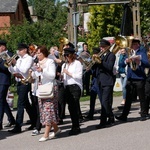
x,y
133,135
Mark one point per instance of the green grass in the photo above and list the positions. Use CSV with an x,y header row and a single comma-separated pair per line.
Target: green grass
x,y
84,98
13,89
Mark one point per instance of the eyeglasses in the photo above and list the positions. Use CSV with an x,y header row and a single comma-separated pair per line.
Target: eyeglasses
x,y
66,55
38,53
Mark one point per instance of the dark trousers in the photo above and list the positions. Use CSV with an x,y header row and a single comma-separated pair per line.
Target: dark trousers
x,y
147,95
106,103
94,92
72,95
61,101
86,82
4,105
36,113
23,103
139,86
8,112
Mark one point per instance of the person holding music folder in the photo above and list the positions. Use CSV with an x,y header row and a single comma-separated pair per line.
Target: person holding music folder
x,y
20,69
72,77
135,80
105,79
5,82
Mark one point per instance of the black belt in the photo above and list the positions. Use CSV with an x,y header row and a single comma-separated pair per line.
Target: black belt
x,y
131,79
20,83
72,85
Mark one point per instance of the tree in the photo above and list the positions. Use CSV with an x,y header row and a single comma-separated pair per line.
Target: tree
x,y
105,20
145,16
49,28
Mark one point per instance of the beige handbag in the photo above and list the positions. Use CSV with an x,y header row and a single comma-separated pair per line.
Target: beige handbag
x,y
46,91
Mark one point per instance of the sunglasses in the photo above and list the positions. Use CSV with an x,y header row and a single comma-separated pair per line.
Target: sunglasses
x,y
66,55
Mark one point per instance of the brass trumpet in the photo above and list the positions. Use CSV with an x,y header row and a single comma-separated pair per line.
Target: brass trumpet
x,y
10,60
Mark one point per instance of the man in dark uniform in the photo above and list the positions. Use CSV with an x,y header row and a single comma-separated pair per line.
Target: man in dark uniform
x,y
4,85
106,82
136,80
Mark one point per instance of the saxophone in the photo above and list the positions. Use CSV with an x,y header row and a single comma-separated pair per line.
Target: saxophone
x,y
29,79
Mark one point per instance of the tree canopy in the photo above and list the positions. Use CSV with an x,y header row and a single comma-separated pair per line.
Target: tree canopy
x,y
46,31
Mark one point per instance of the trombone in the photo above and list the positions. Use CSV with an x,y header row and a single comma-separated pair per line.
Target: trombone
x,y
120,42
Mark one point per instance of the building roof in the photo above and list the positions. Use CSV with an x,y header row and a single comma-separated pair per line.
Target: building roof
x,y
8,6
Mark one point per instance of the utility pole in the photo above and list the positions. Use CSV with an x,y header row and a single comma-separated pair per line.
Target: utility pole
x,y
136,18
70,24
75,22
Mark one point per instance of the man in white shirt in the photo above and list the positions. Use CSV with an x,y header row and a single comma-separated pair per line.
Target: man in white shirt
x,y
20,70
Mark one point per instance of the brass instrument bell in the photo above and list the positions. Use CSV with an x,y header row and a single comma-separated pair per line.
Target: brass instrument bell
x,y
63,41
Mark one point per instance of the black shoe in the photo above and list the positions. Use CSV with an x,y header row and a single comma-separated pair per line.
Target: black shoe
x,y
143,118
9,124
100,126
28,122
30,128
81,119
110,121
15,130
60,122
88,117
1,126
74,131
121,118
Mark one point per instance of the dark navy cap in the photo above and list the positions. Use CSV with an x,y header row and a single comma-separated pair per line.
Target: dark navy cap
x,y
96,50
71,45
136,40
69,51
104,42
22,46
2,42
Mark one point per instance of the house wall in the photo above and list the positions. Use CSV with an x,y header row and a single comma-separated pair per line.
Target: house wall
x,y
7,19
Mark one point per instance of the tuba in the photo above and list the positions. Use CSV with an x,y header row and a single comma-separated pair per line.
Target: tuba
x,y
120,42
63,41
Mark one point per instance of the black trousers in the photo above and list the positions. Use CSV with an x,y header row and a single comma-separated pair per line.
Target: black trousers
x,y
106,103
72,95
86,82
61,101
4,105
139,87
36,113
23,103
147,94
